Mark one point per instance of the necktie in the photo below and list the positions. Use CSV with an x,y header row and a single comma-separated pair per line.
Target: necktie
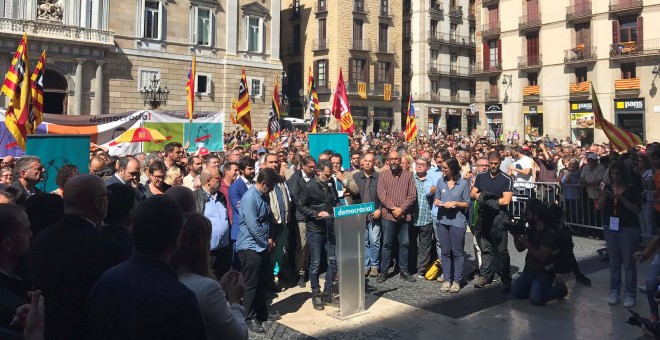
x,y
340,192
280,203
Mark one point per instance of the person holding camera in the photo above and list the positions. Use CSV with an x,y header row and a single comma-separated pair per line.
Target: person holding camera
x,y
541,242
622,202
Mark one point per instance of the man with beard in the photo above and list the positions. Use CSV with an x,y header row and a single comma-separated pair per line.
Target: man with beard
x,y
229,175
173,155
194,169
397,195
296,185
316,202
212,203
128,173
236,191
493,191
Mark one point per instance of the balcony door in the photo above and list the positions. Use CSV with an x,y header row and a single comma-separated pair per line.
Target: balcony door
x,y
532,11
533,48
493,16
357,34
583,36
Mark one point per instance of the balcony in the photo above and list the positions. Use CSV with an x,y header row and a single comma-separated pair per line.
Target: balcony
x,y
580,55
452,71
321,7
57,31
379,90
385,48
487,3
456,13
533,61
489,68
579,90
490,29
454,98
385,13
492,95
472,15
530,22
435,7
531,93
451,39
635,49
320,45
622,7
361,45
324,88
579,13
353,86
360,8
627,87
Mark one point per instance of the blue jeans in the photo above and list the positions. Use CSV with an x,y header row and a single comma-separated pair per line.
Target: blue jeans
x,y
621,246
452,256
652,287
316,242
372,245
389,229
537,288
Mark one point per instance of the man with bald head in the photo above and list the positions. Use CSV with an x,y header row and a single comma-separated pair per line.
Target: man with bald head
x,y
8,161
69,257
210,201
96,164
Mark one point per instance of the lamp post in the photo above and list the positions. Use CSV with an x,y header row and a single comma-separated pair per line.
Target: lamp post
x,y
153,95
303,102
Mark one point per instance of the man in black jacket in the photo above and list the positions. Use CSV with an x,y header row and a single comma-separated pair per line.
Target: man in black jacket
x,y
316,203
296,184
367,183
28,172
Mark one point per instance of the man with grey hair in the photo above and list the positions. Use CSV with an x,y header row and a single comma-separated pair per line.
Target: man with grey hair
x,y
28,172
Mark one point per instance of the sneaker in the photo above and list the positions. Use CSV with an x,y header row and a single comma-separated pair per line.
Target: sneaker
x,y
455,288
614,299
317,300
330,300
445,286
629,302
407,277
301,282
373,272
441,278
561,286
579,277
382,277
420,276
481,282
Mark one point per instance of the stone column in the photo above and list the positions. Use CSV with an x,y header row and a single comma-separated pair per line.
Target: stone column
x,y
77,104
232,26
98,92
275,29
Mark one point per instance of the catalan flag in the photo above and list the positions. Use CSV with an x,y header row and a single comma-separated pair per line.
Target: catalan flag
x,y
620,139
243,105
313,103
37,85
340,107
17,88
411,125
190,90
273,130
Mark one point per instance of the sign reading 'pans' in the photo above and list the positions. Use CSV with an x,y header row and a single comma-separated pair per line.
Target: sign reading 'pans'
x,y
629,105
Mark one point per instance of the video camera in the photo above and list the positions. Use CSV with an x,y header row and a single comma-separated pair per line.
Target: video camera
x,y
638,320
516,226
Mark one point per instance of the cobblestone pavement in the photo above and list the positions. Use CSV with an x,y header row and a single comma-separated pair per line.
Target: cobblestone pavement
x,y
427,295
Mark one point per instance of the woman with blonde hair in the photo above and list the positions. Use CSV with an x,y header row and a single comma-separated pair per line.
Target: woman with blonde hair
x,y
174,177
220,302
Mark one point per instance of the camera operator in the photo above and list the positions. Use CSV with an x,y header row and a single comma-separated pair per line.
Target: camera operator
x,y
540,241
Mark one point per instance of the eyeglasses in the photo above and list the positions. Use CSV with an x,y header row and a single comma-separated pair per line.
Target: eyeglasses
x,y
159,177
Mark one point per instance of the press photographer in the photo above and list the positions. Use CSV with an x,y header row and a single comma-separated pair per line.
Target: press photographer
x,y
537,281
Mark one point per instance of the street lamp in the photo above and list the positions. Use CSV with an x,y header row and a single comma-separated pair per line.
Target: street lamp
x,y
153,95
508,83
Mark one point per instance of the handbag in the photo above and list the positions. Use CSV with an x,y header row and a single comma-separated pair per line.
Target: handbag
x,y
434,270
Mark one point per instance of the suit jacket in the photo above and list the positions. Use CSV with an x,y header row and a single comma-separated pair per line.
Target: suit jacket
x,y
296,183
113,180
140,191
16,184
350,186
66,260
236,192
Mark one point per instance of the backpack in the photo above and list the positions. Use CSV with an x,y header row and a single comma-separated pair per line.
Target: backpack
x,y
565,259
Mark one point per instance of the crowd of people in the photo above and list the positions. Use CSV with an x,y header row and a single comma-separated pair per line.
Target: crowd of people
x,y
173,245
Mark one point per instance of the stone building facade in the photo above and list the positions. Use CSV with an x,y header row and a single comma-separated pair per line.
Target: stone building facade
x,y
102,52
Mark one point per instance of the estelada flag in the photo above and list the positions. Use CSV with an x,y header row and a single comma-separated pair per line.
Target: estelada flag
x,y
17,88
620,138
190,89
243,105
37,94
411,125
340,107
314,110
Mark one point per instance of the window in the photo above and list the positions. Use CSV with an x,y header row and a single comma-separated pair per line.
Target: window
x,y
628,29
434,28
323,34
296,8
359,71
203,26
145,75
6,8
357,34
382,37
203,83
493,53
434,56
91,13
321,72
473,89
256,87
492,84
359,5
473,60
383,70
453,86
580,74
532,79
453,59
384,7
473,33
152,19
628,71
452,31
434,86
254,34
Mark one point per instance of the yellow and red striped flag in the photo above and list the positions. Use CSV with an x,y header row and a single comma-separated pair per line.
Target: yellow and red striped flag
x,y
232,116
411,125
620,138
190,90
340,107
273,130
17,88
314,110
37,86
243,105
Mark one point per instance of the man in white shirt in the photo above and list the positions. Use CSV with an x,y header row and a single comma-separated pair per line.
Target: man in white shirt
x,y
591,177
521,171
194,169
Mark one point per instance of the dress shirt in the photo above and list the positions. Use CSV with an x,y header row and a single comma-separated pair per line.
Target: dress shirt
x,y
188,182
424,201
254,228
216,212
396,191
455,217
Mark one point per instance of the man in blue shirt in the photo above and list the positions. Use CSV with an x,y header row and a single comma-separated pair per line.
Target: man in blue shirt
x,y
253,247
423,219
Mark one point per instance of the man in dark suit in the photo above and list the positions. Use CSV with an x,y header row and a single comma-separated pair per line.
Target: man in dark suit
x,y
236,191
119,220
128,172
28,172
68,257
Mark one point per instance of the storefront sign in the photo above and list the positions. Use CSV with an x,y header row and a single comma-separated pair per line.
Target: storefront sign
x,y
493,108
434,111
359,112
582,115
454,112
629,105
533,110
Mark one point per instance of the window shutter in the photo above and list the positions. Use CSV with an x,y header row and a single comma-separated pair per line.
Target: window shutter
x,y
390,74
246,30
262,35
142,12
615,32
316,73
195,26
327,71
161,14
499,54
486,49
640,34
365,71
350,71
